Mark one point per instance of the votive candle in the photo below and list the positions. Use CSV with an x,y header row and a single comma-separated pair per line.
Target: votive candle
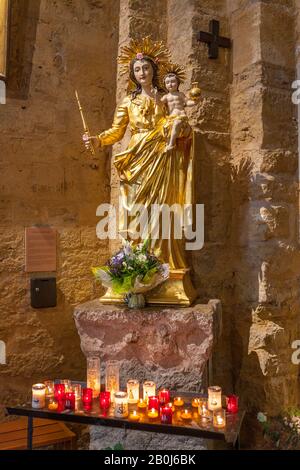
x,y
49,384
76,388
204,413
87,398
164,396
219,418
67,384
166,414
121,405
104,400
196,402
148,390
133,416
70,401
232,404
93,375
53,404
153,403
178,401
112,374
142,405
186,415
133,391
214,398
38,396
153,413
59,391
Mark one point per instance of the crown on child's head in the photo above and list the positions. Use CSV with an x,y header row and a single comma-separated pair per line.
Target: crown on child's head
x,y
172,69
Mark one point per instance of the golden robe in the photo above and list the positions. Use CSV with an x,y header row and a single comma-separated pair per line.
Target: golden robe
x,y
148,174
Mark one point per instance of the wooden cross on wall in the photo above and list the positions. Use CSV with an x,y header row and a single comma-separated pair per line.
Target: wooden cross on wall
x,y
213,40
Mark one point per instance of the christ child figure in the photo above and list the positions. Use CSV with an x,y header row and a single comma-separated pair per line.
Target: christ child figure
x,y
176,102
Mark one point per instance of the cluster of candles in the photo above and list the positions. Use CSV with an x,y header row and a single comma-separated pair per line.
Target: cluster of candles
x,y
60,396
67,396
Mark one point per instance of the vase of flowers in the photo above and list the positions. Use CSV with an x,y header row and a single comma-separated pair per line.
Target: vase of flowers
x,y
132,271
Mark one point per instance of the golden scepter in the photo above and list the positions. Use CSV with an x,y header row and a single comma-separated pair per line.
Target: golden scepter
x,y
85,127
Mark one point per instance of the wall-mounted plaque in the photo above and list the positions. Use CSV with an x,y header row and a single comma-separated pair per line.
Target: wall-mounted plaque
x,y
40,249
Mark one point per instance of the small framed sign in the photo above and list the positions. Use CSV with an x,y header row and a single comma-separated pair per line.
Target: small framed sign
x,y
40,249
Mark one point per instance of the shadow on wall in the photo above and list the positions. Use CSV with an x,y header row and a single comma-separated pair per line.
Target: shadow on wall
x,y
22,34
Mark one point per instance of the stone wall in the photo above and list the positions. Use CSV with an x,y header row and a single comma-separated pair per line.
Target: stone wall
x,y
265,231
48,178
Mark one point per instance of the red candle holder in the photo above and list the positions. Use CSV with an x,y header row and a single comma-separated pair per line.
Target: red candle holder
x,y
153,403
59,391
232,403
70,401
87,398
164,396
104,400
166,414
61,405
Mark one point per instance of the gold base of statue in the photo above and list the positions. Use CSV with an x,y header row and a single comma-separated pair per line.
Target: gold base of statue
x,y
176,290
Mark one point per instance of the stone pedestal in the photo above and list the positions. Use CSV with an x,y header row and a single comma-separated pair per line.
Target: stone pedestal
x,y
170,345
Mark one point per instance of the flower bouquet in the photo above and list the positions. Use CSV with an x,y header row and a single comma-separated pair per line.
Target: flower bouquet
x,y
132,271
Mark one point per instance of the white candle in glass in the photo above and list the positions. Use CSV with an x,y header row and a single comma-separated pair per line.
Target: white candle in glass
x,y
112,374
38,396
121,405
67,384
133,391
76,388
148,390
49,384
214,398
219,418
93,375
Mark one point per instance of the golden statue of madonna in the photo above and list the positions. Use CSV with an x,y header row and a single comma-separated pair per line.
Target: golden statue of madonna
x,y
156,169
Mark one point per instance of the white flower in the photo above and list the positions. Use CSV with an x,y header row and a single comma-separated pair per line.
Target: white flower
x,y
142,257
262,418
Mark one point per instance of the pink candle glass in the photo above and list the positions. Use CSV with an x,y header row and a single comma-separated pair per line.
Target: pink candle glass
x,y
59,392
153,403
232,404
164,396
104,400
70,401
166,414
87,398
